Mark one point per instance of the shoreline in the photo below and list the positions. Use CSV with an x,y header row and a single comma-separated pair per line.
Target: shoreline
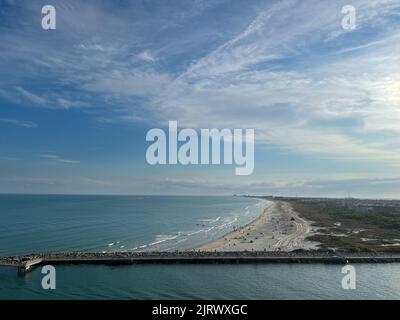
x,y
277,228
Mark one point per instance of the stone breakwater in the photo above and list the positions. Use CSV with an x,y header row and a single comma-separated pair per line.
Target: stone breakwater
x,y
188,257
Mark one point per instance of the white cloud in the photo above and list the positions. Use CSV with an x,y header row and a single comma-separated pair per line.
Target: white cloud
x,y
31,97
304,109
56,158
137,83
146,56
340,187
68,104
20,123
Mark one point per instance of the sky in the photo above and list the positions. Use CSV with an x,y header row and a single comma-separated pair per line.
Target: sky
x,y
76,102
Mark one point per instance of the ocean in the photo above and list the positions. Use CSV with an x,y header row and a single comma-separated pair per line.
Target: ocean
x,y
56,223
41,223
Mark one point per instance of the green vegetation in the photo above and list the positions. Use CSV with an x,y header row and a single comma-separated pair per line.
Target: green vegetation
x,y
353,224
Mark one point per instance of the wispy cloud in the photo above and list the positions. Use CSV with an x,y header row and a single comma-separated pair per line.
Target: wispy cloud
x,y
31,97
300,108
50,100
8,158
146,56
56,158
341,187
19,123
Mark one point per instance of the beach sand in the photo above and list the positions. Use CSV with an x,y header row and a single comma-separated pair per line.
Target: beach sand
x,y
278,228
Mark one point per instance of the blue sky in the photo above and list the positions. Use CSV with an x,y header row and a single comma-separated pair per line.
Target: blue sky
x,y
76,102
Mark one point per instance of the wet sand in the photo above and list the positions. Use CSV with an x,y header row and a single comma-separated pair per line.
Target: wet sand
x,y
278,228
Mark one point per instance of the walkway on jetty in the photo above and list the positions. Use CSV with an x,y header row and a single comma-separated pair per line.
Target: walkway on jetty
x,y
24,263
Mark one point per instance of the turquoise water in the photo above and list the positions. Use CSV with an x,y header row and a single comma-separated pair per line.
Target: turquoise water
x,y
274,281
117,223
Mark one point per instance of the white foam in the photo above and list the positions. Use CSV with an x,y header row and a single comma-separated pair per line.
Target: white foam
x,y
211,220
162,238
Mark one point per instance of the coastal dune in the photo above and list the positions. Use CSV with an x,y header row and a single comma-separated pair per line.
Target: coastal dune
x,y
278,228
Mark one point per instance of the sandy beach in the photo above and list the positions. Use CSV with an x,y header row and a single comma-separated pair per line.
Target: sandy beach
x,y
278,228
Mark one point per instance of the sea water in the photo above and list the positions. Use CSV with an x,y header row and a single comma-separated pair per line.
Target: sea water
x,y
42,223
